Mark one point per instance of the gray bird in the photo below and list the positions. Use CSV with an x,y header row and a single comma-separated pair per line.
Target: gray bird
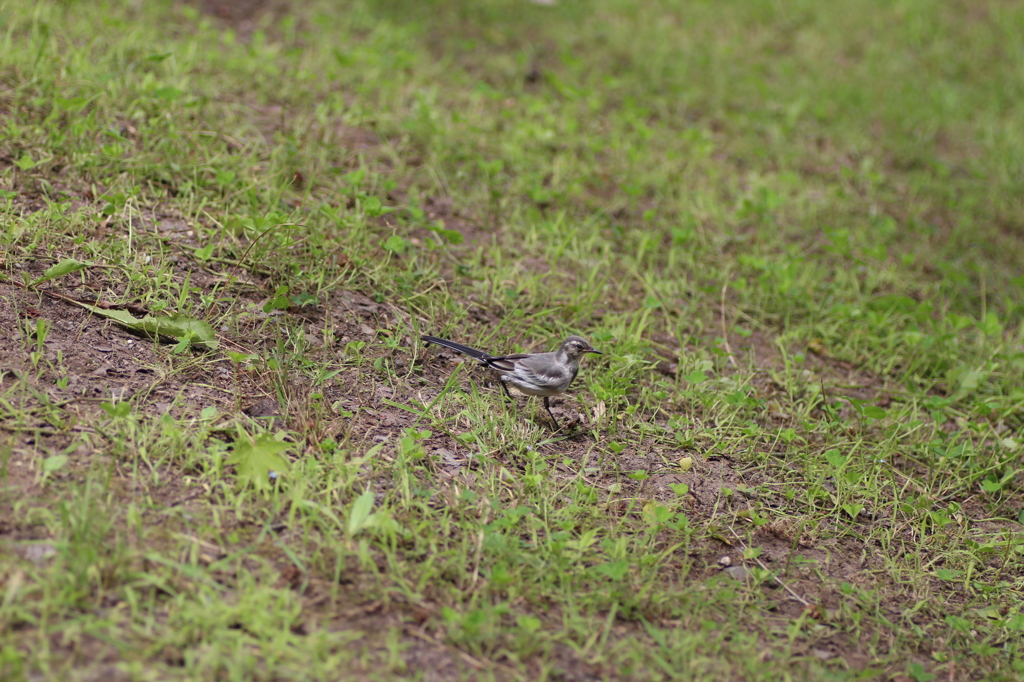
x,y
543,374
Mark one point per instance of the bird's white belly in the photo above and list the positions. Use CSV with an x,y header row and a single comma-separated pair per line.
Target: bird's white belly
x,y
527,387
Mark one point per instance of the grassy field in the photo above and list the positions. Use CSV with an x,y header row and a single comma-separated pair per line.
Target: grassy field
x,y
796,230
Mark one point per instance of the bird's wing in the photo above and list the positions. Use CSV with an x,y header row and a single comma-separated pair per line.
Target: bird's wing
x,y
504,363
541,369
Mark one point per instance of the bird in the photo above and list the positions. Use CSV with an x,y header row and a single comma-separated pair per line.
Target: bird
x,y
540,374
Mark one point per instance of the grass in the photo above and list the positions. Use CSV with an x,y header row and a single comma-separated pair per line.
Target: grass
x,y
793,229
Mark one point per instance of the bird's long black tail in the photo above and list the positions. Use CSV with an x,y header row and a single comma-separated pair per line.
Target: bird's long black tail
x,y
471,352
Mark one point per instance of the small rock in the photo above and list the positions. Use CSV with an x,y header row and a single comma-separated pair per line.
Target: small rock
x,y
738,572
267,407
39,552
668,368
448,457
725,561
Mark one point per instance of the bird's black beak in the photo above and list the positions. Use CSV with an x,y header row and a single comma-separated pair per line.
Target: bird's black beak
x,y
595,352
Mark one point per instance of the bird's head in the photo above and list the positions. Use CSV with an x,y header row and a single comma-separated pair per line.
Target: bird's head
x,y
575,346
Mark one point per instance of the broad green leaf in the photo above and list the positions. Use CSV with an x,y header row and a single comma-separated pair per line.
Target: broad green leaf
x,y
374,208
395,244
959,322
990,611
121,316
25,162
873,412
361,517
168,94
528,624
958,623
66,266
919,674
853,509
968,381
991,486
182,327
117,410
834,458
280,301
254,460
680,489
355,178
991,326
450,236
51,464
616,570
304,299
71,104
242,357
204,253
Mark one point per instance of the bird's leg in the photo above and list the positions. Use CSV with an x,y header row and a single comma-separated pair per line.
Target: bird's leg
x,y
507,394
547,406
